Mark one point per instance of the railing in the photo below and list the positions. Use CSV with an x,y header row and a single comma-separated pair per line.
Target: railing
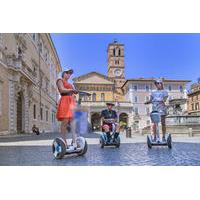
x,y
183,120
21,65
103,104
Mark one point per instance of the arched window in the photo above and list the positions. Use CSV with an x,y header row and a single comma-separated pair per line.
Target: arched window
x,y
102,97
119,52
113,52
94,97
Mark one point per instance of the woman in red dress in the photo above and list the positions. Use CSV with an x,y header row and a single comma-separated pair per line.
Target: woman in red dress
x,y
66,103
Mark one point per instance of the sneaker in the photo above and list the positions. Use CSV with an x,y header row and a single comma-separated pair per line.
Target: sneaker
x,y
71,148
153,138
108,141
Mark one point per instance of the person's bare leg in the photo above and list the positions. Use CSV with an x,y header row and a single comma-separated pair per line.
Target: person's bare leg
x,y
107,131
117,131
163,126
154,130
63,128
117,128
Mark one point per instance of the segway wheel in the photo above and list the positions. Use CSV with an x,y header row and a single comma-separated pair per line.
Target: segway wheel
x,y
169,141
149,142
82,143
59,148
118,142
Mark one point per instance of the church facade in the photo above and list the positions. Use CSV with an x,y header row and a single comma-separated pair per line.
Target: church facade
x,y
106,88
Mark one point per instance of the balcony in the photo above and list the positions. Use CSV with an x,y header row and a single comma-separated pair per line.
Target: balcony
x,y
20,64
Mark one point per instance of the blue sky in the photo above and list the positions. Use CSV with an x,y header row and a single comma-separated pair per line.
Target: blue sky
x,y
173,56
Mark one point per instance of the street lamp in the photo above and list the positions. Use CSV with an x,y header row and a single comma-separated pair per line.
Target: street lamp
x,y
117,105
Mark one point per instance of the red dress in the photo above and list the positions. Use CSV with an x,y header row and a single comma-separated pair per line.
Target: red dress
x,y
66,104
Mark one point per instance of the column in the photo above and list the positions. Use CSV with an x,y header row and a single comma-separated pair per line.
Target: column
x,y
26,110
12,108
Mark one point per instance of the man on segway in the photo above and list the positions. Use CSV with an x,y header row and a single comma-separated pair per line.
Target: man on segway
x,y
158,98
109,118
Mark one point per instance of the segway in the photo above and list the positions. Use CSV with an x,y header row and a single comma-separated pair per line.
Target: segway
x,y
113,141
151,141
79,127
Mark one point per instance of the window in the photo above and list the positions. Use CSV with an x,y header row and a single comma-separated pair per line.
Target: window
x,y
1,100
119,53
113,52
135,87
47,85
197,106
94,97
34,111
34,37
41,46
102,97
47,115
169,87
19,52
136,99
181,88
53,116
192,106
148,122
46,54
85,98
136,111
147,98
116,62
41,113
147,111
147,87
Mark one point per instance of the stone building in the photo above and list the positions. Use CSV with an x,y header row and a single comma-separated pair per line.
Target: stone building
x,y
29,66
138,91
106,88
194,99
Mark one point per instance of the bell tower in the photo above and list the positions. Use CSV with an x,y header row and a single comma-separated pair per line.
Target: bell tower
x,y
116,63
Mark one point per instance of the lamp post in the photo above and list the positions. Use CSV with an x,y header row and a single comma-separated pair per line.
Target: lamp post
x,y
117,105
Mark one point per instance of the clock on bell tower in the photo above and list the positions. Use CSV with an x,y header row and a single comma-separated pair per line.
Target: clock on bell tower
x,y
116,63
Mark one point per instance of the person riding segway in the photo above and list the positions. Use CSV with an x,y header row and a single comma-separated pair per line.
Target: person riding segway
x,y
109,125
158,114
69,112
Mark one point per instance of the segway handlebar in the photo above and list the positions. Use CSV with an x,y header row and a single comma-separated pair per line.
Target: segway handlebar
x,y
109,120
81,93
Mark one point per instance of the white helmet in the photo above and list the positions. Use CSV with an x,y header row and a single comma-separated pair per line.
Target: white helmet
x,y
158,81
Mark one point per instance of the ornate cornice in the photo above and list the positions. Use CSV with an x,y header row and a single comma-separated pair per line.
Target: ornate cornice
x,y
80,78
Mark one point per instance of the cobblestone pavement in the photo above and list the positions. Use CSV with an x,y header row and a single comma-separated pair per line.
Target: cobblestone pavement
x,y
20,151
